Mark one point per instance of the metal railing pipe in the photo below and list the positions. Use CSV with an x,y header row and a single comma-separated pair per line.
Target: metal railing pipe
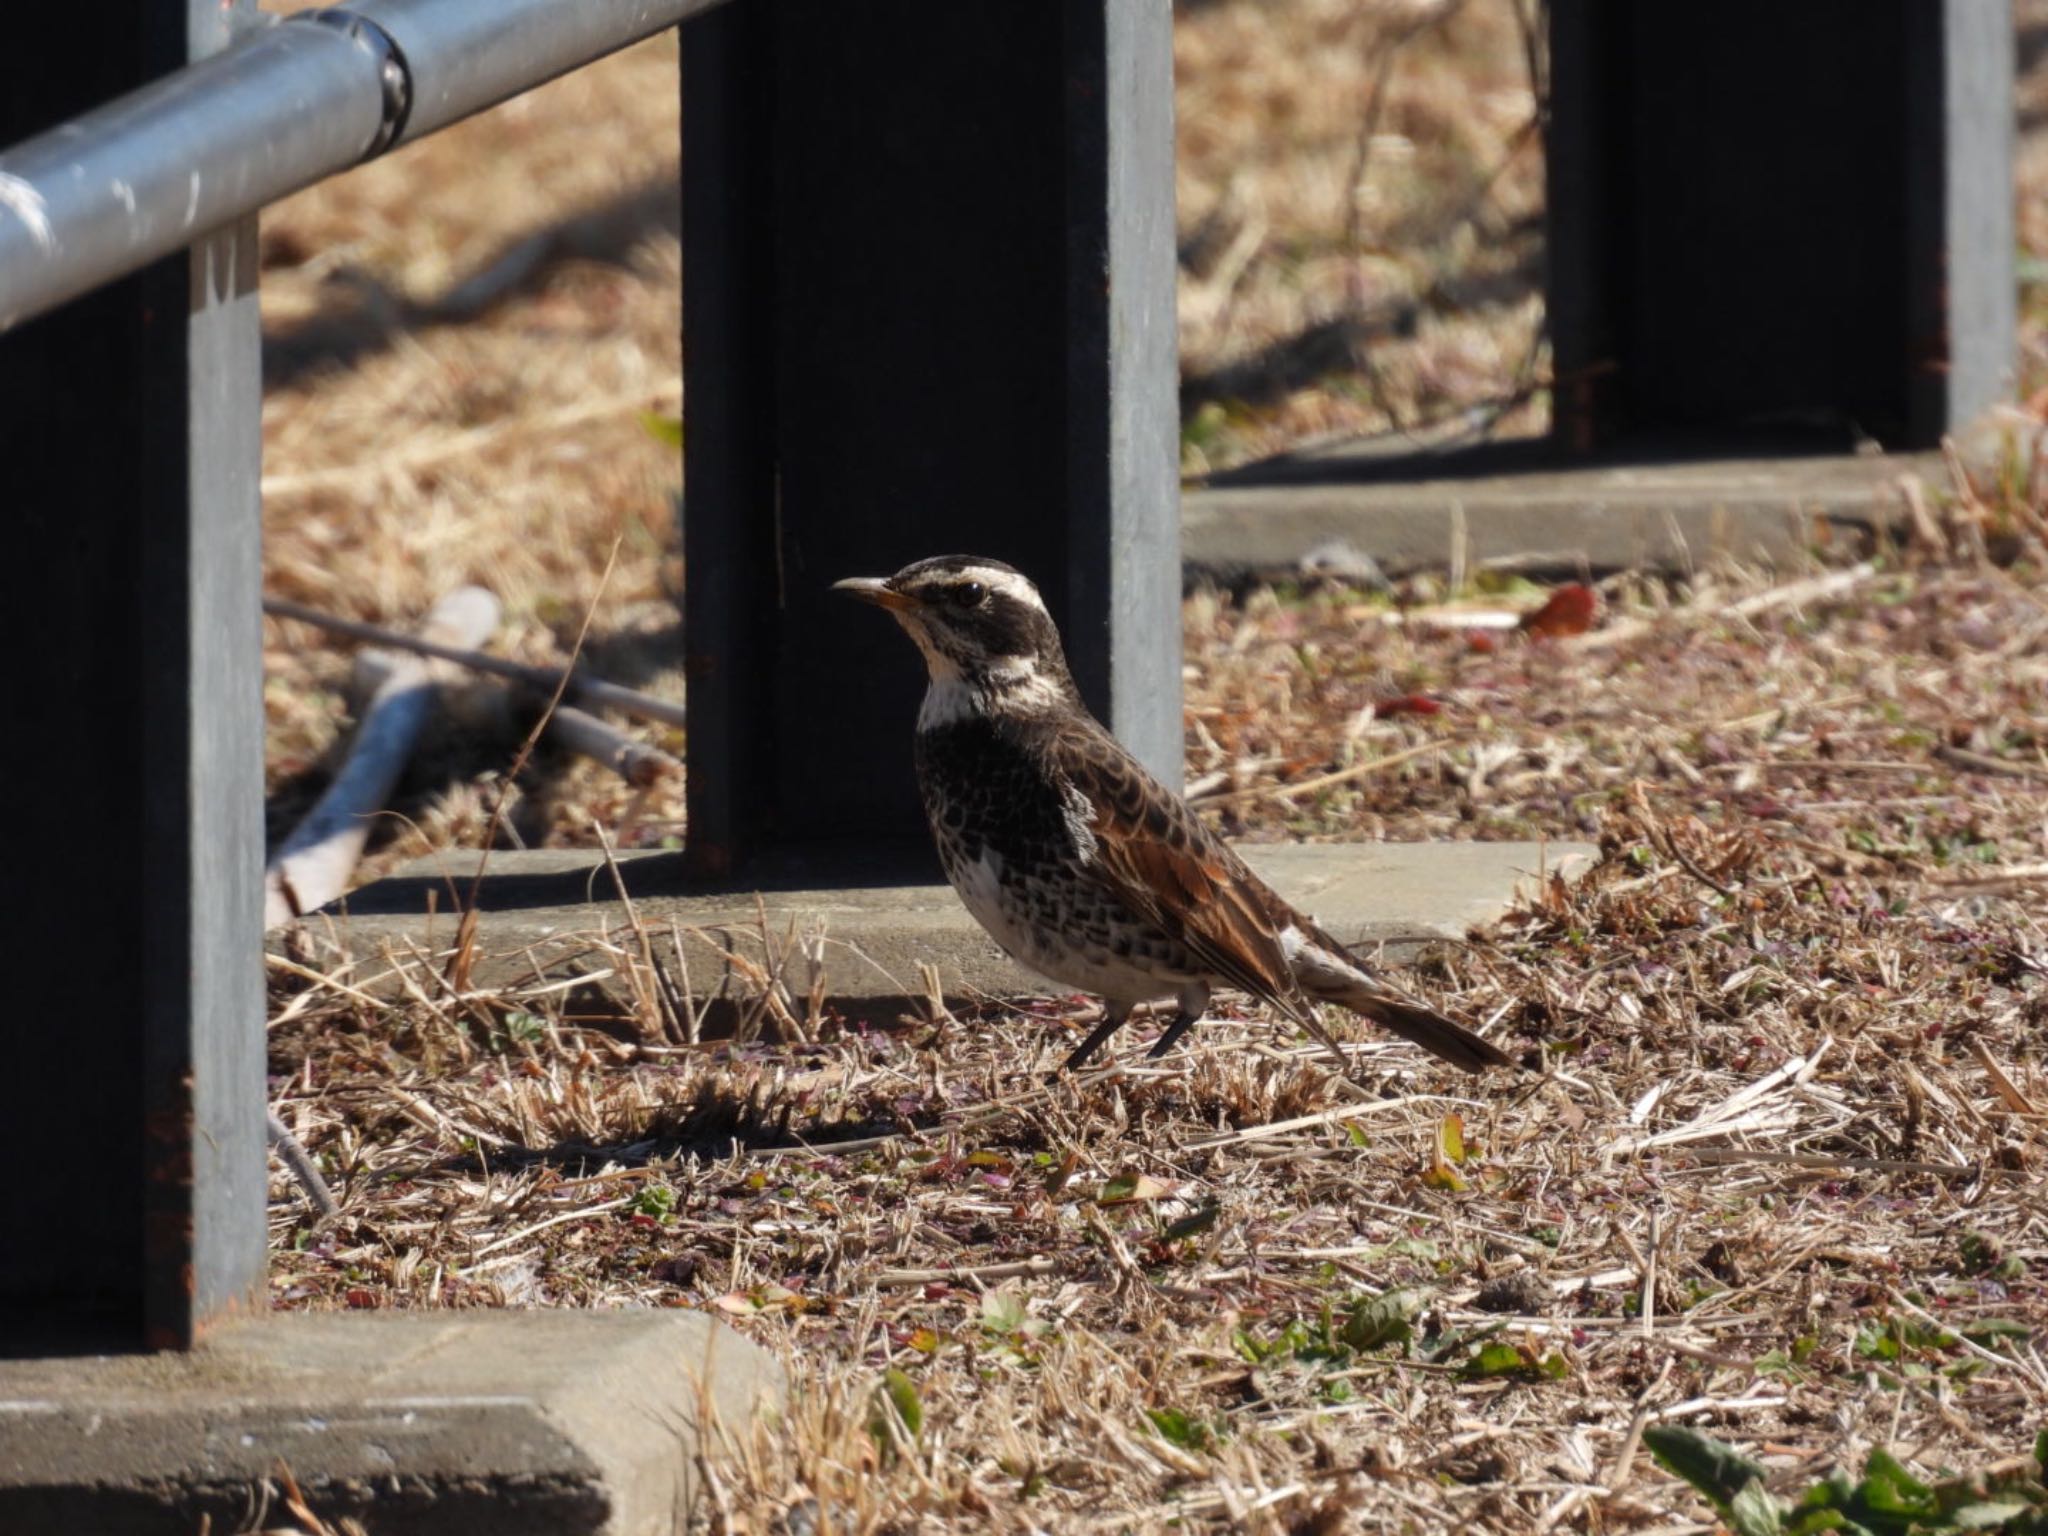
x,y
465,55
99,196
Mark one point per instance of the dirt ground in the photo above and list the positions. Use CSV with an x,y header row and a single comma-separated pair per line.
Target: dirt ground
x,y
1771,1172
1776,1175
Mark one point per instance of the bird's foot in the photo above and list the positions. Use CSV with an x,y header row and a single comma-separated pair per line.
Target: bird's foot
x,y
1112,1021
1182,1023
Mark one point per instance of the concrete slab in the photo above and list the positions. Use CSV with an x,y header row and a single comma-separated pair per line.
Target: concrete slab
x,y
1525,506
508,1423
870,926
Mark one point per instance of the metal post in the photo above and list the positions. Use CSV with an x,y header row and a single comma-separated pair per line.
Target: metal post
x,y
1774,218
928,308
132,1107
1962,236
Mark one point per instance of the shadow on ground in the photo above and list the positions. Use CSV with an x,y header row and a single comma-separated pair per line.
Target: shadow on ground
x,y
367,317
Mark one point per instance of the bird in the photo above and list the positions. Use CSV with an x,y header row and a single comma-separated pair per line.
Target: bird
x,y
1077,861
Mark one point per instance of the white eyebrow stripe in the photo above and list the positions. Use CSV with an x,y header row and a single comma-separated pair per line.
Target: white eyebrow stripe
x,y
1009,583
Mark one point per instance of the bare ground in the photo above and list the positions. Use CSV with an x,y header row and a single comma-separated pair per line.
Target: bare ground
x,y
1776,1175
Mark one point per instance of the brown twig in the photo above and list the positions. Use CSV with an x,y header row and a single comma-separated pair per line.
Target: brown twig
x,y
549,681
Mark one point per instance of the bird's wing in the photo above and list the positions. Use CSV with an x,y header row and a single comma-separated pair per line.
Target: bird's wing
x,y
1154,855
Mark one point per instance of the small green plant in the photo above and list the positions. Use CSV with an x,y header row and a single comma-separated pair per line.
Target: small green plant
x,y
662,428
1389,1328
1176,1428
654,1200
1789,1364
1983,1255
526,1028
1013,1334
1886,1501
897,1415
1377,1321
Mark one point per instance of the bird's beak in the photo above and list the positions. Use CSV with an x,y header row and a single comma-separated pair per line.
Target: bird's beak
x,y
872,589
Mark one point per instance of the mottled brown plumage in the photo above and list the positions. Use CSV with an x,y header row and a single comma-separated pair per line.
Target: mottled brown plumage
x,y
1079,863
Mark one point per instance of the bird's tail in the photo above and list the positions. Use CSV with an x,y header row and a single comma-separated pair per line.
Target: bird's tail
x,y
1431,1030
1327,976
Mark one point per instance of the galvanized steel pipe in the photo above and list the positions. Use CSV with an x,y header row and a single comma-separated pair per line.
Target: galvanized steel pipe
x,y
97,197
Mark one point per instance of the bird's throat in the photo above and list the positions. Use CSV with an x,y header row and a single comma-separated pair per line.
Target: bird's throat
x,y
1015,686
948,701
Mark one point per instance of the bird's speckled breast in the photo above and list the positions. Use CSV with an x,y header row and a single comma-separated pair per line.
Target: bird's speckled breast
x,y
1017,852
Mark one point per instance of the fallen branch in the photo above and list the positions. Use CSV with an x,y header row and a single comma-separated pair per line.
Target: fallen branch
x,y
1926,529
1327,780
1342,1113
1732,1156
2007,1090
1978,762
574,730
887,1278
1990,876
312,866
299,1163
634,761
1812,589
585,690
1791,594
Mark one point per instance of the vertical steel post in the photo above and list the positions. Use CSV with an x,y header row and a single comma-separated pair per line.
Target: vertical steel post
x,y
1961,282
132,1109
1775,218
928,308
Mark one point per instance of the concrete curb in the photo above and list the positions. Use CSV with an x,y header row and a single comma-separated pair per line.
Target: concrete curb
x,y
1548,520
545,1423
870,931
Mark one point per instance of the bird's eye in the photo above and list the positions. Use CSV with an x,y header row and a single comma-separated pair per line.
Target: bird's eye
x,y
968,594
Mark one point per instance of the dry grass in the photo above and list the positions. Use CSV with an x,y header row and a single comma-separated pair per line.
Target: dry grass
x,y
1361,205
1790,1107
417,438
1792,1094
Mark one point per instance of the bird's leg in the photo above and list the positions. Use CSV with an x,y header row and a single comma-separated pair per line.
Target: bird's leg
x,y
1194,1002
1183,1021
1113,1017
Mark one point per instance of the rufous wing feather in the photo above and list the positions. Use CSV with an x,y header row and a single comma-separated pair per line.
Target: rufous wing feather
x,y
1155,856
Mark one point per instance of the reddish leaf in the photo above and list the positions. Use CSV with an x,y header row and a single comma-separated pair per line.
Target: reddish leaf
x,y
1405,704
1568,612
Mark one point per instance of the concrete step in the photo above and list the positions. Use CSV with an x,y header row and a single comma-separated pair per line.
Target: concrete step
x,y
1521,504
544,1423
873,922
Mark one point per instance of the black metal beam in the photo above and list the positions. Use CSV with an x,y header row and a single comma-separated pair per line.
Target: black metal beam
x,y
1767,215
928,308
132,1110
